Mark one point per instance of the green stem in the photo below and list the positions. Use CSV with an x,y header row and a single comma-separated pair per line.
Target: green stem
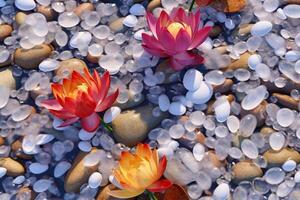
x,y
107,126
151,196
191,6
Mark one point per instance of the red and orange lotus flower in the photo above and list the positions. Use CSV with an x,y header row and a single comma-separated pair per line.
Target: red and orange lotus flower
x,y
80,98
175,36
139,172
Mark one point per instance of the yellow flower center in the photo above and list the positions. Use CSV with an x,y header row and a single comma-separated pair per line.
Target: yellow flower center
x,y
175,27
83,87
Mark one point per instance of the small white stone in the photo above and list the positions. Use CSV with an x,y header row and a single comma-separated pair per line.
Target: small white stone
x,y
201,95
221,192
80,39
177,108
42,185
297,177
277,141
61,168
261,28
38,168
289,165
43,139
111,113
19,180
163,102
285,117
137,9
176,131
249,149
85,146
198,151
271,5
222,109
254,98
233,123
130,21
292,11
84,135
254,60
2,171
68,19
192,79
95,180
25,5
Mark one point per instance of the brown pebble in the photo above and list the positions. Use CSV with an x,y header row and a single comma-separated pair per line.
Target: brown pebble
x,y
214,159
153,4
223,88
14,168
245,29
117,25
5,31
48,12
92,59
2,141
16,147
83,7
266,131
242,62
68,66
25,191
287,101
20,18
246,170
277,158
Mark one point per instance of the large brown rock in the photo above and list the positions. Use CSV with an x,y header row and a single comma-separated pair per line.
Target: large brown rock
x,y
14,168
5,31
245,170
277,158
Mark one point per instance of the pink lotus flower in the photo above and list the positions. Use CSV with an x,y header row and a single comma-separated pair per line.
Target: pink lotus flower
x,y
175,36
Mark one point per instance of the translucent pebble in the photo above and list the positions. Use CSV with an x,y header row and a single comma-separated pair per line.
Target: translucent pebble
x,y
289,165
221,17
44,2
199,151
92,18
235,153
292,11
249,149
111,113
4,55
275,41
261,28
61,168
240,193
163,102
22,113
81,39
42,185
37,168
25,5
84,135
130,21
222,109
4,97
137,10
95,50
229,23
253,43
247,125
95,180
106,142
192,79
242,74
297,67
58,7
201,95
277,140
163,137
263,71
85,146
254,60
112,62
43,139
101,32
48,65
254,97
240,48
26,43
221,192
270,5
285,117
177,108
61,38
283,190
215,77
169,4
68,19
297,39
136,86
292,56
19,180
94,158
197,118
111,48
221,131
176,131
3,171
297,177
233,123
274,176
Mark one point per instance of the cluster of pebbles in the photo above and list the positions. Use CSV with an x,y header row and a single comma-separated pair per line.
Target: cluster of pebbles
x,y
230,128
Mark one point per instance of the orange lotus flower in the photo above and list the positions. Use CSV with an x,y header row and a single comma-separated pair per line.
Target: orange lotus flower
x,y
139,172
175,36
80,98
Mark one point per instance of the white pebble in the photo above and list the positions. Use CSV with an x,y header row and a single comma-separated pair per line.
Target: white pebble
x,y
42,185
43,139
25,5
292,11
95,180
201,95
176,131
261,28
61,168
233,123
130,21
285,117
85,146
198,151
163,102
19,180
222,192
48,65
249,149
137,10
68,19
197,118
177,108
277,141
84,135
297,177
254,98
289,165
38,168
222,109
271,5
192,79
2,171
111,113
254,60
4,97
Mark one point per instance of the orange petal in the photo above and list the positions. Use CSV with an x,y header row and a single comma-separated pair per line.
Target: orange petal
x,y
107,102
125,194
143,150
51,104
160,185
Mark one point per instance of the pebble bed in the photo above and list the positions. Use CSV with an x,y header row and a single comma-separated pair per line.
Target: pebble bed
x,y
230,128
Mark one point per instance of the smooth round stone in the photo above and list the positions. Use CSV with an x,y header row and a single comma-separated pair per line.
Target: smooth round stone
x,y
261,28
111,113
292,11
292,56
254,98
61,168
192,79
68,19
289,165
249,148
197,118
25,5
198,151
38,168
137,10
254,60
95,180
233,123
297,177
270,5
221,192
48,65
201,95
3,171
274,176
176,131
177,108
101,32
297,39
285,117
85,146
277,141
222,109
247,125
112,63
163,102
84,135
5,92
81,39
130,21
263,71
215,77
19,180
22,113
42,185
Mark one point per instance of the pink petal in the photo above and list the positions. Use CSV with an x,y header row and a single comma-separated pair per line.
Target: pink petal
x,y
167,41
151,42
200,37
163,20
62,114
90,123
69,122
180,61
195,21
183,40
51,104
107,102
160,185
151,22
155,52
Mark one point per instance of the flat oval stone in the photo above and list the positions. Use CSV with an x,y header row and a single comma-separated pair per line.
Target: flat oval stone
x,y
261,28
25,5
292,11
